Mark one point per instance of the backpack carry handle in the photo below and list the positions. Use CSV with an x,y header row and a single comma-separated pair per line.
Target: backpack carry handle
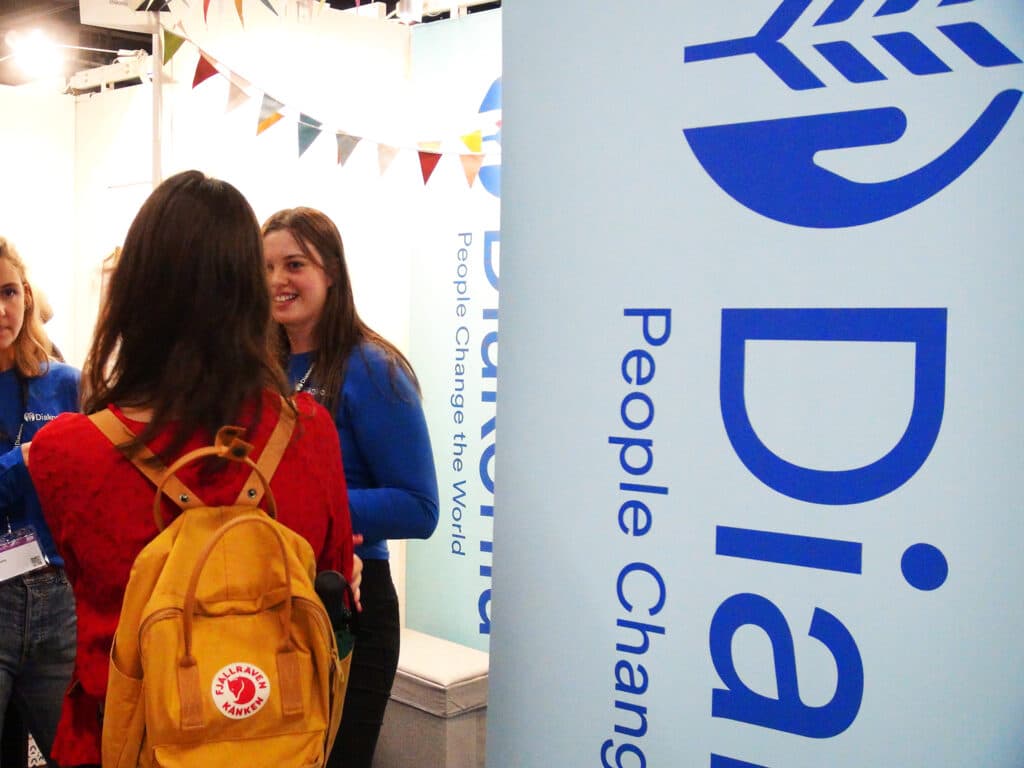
x,y
228,445
190,591
288,671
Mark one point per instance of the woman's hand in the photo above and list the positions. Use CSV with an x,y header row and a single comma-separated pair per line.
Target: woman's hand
x,y
357,570
357,578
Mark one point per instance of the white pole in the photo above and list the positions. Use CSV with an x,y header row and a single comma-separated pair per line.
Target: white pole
x,y
158,99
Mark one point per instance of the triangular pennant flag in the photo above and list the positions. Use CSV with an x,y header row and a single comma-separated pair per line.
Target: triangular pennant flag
x,y
309,129
385,155
204,70
269,113
172,43
206,7
346,144
237,95
428,162
267,3
238,7
471,165
475,141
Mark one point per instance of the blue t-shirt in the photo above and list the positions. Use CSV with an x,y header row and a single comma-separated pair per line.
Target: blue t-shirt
x,y
385,449
49,395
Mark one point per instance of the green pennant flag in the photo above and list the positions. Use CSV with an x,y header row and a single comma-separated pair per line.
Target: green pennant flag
x,y
172,43
309,129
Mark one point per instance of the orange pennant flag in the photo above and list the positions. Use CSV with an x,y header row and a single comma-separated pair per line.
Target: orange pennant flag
x,y
471,165
475,141
204,70
428,162
385,155
238,7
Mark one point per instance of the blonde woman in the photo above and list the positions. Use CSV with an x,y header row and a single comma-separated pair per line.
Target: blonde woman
x,y
37,608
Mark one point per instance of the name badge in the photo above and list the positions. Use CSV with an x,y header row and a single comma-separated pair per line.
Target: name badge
x,y
20,553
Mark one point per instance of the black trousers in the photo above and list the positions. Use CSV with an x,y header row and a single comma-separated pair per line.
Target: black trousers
x,y
14,743
374,662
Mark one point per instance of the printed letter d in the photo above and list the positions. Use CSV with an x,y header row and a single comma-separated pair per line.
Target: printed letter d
x,y
925,328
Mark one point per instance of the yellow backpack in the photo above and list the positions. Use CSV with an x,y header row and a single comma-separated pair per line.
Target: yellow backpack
x,y
224,655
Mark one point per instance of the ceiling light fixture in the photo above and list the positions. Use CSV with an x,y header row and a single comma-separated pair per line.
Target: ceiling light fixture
x,y
38,56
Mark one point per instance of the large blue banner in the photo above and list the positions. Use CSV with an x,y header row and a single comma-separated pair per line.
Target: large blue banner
x,y
454,323
763,349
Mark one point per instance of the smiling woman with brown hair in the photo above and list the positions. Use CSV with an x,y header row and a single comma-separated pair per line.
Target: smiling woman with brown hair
x,y
371,391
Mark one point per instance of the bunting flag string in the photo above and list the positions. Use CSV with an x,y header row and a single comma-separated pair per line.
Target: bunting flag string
x,y
429,153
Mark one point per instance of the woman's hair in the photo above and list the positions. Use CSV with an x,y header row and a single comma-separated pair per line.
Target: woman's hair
x,y
184,329
31,347
339,330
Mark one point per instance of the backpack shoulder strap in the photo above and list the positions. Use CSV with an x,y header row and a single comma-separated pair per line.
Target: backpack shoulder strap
x,y
118,433
270,457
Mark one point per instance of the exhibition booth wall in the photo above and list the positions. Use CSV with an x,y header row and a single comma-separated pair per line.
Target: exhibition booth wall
x,y
394,131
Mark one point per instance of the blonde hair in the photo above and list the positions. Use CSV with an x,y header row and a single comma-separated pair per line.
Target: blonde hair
x,y
32,345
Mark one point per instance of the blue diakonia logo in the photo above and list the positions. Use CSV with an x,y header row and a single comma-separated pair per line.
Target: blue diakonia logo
x,y
490,174
769,165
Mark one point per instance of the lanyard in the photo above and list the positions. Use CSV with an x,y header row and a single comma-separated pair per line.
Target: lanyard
x,y
299,386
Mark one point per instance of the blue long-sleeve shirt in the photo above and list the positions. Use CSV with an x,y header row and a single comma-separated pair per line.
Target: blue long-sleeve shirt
x,y
385,449
49,395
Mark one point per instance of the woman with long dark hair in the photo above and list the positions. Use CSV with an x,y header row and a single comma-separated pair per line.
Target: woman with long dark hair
x,y
369,387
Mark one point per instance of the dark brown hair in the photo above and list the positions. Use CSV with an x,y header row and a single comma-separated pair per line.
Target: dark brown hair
x,y
31,357
184,330
339,330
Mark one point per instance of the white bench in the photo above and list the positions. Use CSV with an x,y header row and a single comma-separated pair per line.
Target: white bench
x,y
438,710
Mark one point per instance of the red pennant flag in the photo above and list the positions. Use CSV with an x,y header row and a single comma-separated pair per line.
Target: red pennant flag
x,y
428,162
204,70
206,7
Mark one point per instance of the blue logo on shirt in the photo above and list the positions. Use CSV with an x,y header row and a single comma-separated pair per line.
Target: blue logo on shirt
x,y
769,165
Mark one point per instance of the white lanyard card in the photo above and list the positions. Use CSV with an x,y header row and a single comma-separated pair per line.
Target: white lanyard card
x,y
20,553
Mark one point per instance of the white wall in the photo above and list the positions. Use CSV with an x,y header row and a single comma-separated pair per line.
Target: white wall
x,y
36,194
